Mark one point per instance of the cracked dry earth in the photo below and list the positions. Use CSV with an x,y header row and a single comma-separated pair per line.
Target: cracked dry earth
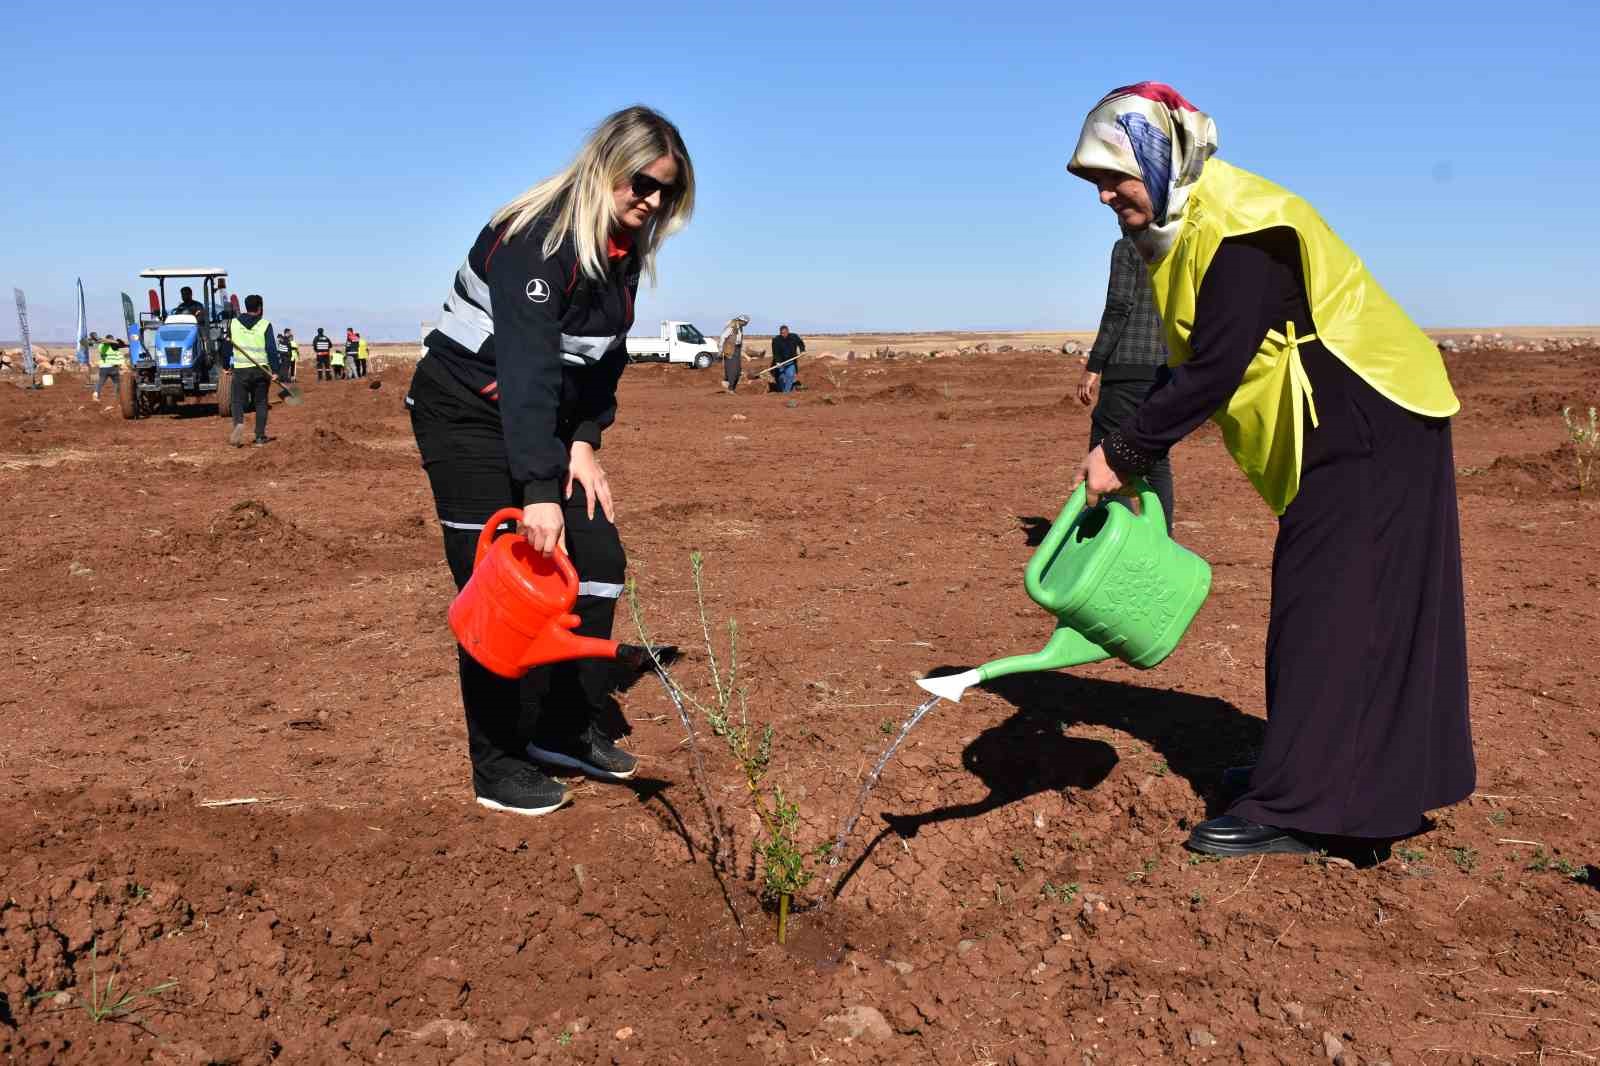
x,y
189,624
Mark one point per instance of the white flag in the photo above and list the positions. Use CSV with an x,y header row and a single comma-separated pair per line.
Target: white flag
x,y
83,329
27,343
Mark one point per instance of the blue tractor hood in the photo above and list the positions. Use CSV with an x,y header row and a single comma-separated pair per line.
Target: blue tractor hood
x,y
175,344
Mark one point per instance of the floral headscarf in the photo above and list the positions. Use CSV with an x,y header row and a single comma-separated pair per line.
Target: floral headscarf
x,y
1150,132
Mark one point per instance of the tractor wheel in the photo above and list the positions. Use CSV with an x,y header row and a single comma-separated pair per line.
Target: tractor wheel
x,y
128,392
225,395
702,360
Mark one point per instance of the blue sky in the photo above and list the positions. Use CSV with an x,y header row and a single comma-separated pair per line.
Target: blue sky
x,y
862,166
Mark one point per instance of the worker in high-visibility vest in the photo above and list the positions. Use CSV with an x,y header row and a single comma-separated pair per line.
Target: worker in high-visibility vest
x,y
255,363
289,348
111,362
361,356
322,349
336,362
352,351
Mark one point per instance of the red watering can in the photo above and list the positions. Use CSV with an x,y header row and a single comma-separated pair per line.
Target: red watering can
x,y
515,612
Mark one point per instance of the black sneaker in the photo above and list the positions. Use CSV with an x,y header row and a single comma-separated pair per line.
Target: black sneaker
x,y
590,751
524,791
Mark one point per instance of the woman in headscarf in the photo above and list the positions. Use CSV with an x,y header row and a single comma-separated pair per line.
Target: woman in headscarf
x,y
731,344
1337,407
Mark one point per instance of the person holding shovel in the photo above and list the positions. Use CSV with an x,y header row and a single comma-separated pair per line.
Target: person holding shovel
x,y
111,360
509,402
256,362
1337,407
786,349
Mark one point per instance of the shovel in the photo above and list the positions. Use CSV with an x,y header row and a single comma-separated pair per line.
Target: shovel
x,y
1119,586
287,392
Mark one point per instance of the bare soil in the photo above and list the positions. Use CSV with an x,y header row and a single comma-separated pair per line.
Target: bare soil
x,y
191,627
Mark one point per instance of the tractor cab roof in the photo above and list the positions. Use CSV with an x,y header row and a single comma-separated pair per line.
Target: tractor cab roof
x,y
183,272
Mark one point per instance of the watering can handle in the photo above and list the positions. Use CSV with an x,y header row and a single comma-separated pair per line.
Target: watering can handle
x,y
1149,502
564,567
496,520
1046,551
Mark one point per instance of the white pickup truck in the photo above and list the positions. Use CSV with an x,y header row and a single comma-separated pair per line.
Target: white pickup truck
x,y
679,342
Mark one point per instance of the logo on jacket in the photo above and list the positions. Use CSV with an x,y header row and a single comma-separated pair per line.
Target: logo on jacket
x,y
538,291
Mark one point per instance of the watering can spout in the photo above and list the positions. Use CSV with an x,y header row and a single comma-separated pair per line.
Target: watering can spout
x,y
1066,647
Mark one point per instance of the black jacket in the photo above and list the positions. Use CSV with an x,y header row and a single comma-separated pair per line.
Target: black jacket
x,y
541,343
784,348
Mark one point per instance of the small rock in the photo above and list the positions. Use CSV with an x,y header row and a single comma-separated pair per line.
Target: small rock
x,y
77,569
901,968
792,403
859,1023
741,418
1070,348
1331,1045
964,946
1347,1058
1199,1037
1295,1012
625,1033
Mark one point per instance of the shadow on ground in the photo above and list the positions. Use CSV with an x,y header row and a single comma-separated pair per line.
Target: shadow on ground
x,y
1029,753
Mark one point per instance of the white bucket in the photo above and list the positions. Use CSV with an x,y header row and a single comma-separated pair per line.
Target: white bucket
x,y
47,379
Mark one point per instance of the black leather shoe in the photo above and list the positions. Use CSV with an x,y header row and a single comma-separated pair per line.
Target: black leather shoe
x,y
1231,835
1235,782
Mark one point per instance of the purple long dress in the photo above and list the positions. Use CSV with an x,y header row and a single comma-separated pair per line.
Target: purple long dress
x,y
1367,717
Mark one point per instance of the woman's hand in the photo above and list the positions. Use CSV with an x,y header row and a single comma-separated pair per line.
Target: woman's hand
x,y
585,469
544,527
1088,388
1098,474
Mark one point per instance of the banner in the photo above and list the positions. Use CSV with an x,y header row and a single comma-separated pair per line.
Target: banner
x,y
83,329
27,343
135,348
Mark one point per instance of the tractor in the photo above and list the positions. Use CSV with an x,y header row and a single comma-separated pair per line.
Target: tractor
x,y
182,350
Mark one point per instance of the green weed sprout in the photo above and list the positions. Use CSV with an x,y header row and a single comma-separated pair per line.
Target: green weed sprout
x,y
1585,444
105,1003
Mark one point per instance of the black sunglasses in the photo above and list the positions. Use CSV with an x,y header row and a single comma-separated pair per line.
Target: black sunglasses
x,y
643,185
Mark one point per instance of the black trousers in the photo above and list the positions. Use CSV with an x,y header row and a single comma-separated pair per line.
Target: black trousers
x,y
324,368
1118,401
733,367
464,455
250,384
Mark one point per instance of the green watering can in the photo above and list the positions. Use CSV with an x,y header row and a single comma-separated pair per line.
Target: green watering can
x,y
1118,585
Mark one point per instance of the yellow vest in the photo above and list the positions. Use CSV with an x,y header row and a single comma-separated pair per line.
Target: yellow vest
x,y
1263,423
336,356
249,345
361,348
110,354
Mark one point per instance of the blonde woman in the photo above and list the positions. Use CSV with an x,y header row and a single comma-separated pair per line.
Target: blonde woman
x,y
508,405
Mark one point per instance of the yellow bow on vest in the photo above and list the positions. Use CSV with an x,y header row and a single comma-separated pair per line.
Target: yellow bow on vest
x,y
1271,403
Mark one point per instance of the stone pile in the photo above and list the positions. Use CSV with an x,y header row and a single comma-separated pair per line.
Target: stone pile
x,y
1500,342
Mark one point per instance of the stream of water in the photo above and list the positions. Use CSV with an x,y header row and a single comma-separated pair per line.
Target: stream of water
x,y
872,779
